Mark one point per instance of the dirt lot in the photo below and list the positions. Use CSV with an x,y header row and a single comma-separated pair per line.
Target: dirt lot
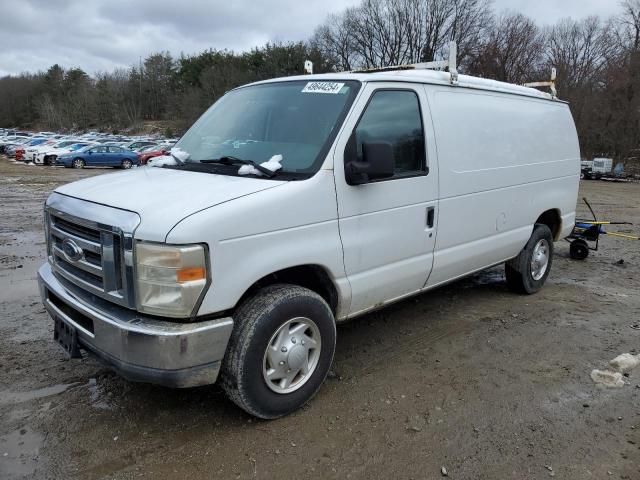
x,y
487,384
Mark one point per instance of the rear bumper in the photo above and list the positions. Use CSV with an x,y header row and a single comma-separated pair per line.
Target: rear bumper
x,y
139,348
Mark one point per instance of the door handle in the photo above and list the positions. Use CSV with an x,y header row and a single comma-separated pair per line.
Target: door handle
x,y
430,216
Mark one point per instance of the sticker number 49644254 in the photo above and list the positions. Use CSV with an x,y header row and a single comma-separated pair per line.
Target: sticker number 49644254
x,y
323,87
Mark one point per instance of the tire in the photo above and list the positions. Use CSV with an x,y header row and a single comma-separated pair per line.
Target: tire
x,y
579,249
247,363
126,164
78,163
524,273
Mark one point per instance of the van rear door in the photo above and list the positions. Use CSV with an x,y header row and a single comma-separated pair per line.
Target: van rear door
x,y
388,226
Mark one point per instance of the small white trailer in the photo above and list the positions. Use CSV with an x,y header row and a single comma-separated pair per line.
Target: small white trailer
x,y
596,168
602,166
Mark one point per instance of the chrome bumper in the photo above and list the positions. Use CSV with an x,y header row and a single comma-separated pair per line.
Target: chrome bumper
x,y
139,348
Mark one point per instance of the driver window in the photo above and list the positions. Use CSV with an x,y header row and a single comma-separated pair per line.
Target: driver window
x,y
394,116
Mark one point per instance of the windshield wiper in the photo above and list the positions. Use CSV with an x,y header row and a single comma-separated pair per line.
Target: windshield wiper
x,y
178,161
229,160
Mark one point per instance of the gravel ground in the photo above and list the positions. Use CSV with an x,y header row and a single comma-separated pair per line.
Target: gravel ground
x,y
487,384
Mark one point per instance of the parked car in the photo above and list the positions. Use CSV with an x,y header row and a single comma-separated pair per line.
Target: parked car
x,y
48,155
21,144
152,151
297,203
31,152
10,141
138,145
18,151
99,156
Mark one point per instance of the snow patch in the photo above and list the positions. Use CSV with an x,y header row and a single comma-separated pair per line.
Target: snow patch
x,y
162,160
272,164
607,378
625,362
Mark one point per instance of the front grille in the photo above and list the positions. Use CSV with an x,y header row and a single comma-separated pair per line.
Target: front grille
x,y
87,233
91,256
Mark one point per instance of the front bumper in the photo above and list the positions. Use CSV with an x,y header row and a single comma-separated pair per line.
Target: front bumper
x,y
139,348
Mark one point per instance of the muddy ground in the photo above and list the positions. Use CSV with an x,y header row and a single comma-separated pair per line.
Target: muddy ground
x,y
487,384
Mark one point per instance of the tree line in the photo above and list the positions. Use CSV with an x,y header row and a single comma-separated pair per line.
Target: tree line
x,y
597,60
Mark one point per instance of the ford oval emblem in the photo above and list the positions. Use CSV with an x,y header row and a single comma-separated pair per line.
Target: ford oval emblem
x,y
71,250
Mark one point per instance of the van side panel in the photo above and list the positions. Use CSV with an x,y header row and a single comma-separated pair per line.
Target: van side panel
x,y
504,160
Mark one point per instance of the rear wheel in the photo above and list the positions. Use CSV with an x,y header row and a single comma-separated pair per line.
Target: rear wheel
x,y
280,351
579,250
529,270
78,163
126,163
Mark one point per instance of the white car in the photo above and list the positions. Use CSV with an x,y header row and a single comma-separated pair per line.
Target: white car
x,y
31,153
297,203
47,156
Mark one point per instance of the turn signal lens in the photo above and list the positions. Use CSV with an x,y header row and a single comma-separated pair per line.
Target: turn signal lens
x,y
191,274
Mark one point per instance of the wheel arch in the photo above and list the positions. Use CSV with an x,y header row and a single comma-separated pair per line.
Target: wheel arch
x,y
314,277
552,219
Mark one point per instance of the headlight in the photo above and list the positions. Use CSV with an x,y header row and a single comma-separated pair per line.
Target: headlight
x,y
170,278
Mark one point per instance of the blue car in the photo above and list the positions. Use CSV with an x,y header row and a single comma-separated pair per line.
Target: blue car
x,y
99,156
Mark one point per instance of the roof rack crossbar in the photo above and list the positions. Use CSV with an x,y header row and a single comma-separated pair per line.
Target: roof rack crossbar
x,y
551,83
449,65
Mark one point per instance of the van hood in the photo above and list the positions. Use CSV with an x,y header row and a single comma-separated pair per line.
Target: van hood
x,y
162,196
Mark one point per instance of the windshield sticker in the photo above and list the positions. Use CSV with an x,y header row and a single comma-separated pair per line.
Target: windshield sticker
x,y
323,87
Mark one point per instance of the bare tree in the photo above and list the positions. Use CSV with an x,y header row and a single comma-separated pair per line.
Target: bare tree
x,y
630,21
334,39
579,50
380,33
512,51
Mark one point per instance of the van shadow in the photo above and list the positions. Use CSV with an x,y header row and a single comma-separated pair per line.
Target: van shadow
x,y
371,336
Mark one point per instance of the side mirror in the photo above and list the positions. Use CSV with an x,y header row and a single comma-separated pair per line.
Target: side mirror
x,y
377,162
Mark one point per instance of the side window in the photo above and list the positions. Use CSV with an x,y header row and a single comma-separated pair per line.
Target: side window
x,y
115,149
99,149
393,116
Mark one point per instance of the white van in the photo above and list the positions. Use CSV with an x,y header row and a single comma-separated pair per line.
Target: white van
x,y
376,187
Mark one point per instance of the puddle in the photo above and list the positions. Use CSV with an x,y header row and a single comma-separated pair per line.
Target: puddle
x,y
20,259
97,396
9,398
19,453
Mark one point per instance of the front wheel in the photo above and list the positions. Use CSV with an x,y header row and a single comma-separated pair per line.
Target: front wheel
x,y
529,270
280,350
78,163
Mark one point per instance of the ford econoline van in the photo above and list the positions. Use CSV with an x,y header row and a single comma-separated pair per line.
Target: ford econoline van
x,y
297,203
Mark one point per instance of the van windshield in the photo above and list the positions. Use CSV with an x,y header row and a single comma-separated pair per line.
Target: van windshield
x,y
295,119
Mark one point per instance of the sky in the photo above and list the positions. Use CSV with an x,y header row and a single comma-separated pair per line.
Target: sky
x,y
100,35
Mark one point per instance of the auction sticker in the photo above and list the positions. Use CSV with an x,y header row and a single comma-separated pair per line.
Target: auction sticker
x,y
323,87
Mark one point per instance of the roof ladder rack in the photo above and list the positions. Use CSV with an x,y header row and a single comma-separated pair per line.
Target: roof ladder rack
x,y
449,65
550,83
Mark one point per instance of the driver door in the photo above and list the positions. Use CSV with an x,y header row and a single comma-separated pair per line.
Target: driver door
x,y
96,156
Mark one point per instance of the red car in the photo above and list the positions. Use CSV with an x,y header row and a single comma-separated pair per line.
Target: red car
x,y
150,152
20,153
